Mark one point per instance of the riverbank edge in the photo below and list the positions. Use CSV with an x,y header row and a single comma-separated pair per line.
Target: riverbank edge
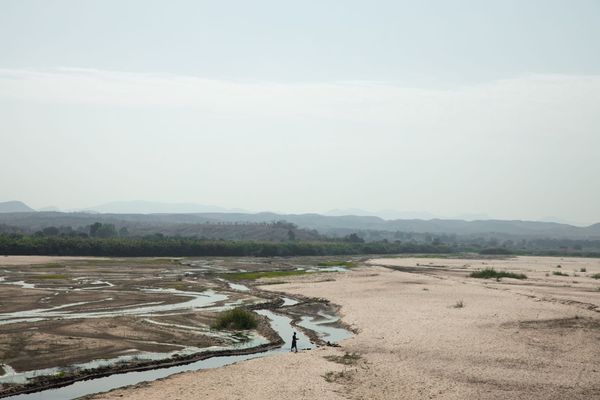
x,y
53,382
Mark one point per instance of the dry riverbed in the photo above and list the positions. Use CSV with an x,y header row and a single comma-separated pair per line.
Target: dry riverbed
x,y
428,330
62,319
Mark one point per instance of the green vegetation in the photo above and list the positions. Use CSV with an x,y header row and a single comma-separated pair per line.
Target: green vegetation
x,y
346,359
264,239
596,276
459,304
491,273
16,244
559,273
239,276
583,270
48,266
496,251
236,319
335,376
102,230
347,264
49,276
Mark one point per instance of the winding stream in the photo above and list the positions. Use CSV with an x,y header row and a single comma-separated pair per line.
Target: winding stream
x,y
281,324
322,326
208,300
196,300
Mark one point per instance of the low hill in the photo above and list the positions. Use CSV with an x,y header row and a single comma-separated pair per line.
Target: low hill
x,y
14,207
184,225
335,226
152,207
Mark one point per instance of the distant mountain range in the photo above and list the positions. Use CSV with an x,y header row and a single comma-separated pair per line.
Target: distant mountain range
x,y
18,214
151,207
384,214
14,207
125,207
394,214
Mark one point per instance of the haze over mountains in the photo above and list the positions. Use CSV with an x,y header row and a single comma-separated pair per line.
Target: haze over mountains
x,y
153,207
124,207
186,219
14,207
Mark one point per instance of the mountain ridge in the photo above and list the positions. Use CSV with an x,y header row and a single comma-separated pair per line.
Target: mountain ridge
x,y
14,206
328,225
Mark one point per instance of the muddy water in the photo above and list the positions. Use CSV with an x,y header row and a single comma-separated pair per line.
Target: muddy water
x,y
193,300
289,302
23,284
196,300
246,342
237,286
281,324
208,300
322,326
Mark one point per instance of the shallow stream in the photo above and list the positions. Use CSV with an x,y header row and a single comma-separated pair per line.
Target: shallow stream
x,y
196,300
208,300
281,324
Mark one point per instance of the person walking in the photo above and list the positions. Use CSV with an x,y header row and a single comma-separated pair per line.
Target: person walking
x,y
294,343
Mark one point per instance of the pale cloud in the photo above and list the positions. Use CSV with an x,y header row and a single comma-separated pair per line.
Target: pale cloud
x,y
379,102
373,145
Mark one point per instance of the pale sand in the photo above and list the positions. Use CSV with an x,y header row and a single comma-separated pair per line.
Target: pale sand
x,y
415,345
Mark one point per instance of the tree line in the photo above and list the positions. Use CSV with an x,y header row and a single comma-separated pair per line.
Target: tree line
x,y
104,239
16,244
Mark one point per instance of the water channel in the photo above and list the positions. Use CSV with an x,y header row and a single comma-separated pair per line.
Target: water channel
x,y
281,324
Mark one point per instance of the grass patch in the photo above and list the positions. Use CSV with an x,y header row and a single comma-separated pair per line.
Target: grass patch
x,y
559,273
50,276
459,304
491,273
332,377
236,319
595,276
346,359
240,276
347,264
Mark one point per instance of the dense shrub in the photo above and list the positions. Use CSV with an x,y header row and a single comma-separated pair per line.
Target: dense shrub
x,y
236,319
15,244
491,273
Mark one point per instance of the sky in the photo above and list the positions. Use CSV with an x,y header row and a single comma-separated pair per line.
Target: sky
x,y
449,108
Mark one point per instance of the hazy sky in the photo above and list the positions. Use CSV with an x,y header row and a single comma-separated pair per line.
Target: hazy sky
x,y
449,107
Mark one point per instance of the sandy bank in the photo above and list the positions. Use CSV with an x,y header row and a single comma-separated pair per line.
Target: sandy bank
x,y
510,340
